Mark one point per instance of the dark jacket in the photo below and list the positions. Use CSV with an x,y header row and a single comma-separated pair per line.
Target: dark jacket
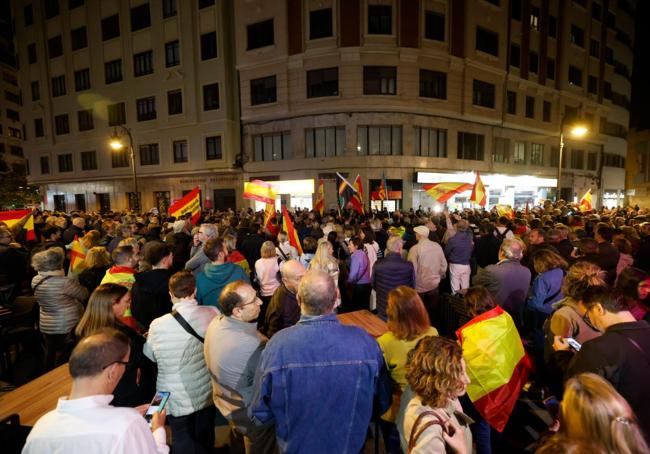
x,y
70,232
92,277
181,243
622,356
565,248
389,273
150,295
486,250
138,384
251,248
642,256
381,236
608,257
283,311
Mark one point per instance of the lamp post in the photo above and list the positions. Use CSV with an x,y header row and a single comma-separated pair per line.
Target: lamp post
x,y
576,130
117,144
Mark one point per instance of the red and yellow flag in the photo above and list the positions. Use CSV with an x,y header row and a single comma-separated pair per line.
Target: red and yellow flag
x,y
269,213
505,210
585,201
357,198
382,193
291,231
320,198
259,190
478,193
496,363
444,191
15,216
77,257
190,203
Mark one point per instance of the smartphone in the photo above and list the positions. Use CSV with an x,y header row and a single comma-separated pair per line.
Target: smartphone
x,y
157,404
553,406
574,344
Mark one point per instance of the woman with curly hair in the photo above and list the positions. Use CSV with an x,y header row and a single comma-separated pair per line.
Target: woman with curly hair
x,y
431,419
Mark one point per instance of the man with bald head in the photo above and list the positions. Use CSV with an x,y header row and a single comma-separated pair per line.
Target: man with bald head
x,y
283,310
319,380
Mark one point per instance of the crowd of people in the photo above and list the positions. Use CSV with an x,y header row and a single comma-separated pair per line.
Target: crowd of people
x,y
230,316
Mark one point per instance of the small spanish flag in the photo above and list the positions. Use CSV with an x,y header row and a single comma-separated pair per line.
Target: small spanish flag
x,y
15,216
585,201
191,203
259,190
444,191
357,198
478,193
291,231
320,198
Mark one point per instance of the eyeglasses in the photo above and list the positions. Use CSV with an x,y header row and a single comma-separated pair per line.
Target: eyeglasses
x,y
124,363
587,320
253,301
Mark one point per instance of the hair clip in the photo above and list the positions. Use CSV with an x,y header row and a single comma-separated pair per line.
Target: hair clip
x,y
622,420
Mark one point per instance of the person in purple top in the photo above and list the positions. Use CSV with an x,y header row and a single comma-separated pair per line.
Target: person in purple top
x,y
359,287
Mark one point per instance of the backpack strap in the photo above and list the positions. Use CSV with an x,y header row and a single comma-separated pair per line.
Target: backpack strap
x,y
416,430
186,326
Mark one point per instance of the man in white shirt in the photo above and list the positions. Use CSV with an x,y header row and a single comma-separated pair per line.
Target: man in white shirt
x,y
85,422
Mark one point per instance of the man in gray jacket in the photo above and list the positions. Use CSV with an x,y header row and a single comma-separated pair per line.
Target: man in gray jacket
x,y
198,259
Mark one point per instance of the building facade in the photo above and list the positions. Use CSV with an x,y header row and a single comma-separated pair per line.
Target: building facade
x,y
638,168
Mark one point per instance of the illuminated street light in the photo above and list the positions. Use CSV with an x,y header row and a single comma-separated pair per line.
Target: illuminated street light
x,y
577,130
117,144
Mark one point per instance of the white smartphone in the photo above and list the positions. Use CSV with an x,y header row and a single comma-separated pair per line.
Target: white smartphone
x,y
157,404
574,344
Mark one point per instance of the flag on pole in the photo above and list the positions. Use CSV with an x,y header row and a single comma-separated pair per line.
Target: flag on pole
x,y
585,201
478,192
77,257
444,191
269,213
357,198
291,231
383,189
190,203
259,190
496,363
15,216
320,198
346,190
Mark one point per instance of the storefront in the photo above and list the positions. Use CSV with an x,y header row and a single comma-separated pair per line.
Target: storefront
x,y
293,193
394,195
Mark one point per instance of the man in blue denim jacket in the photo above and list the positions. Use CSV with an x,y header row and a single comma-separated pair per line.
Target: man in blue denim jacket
x,y
319,380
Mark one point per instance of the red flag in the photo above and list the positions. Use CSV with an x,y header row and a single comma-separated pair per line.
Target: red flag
x,y
478,193
190,203
357,198
291,231
13,217
320,198
585,201
259,190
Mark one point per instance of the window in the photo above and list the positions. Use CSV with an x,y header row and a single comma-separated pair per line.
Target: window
x,y
213,148
72,4
13,115
89,160
379,140
82,79
272,147
31,53
512,102
430,142
546,115
324,142
433,84
552,26
143,63
471,146
380,20
379,80
209,46
120,158
80,201
179,148
592,160
13,97
530,107
263,91
116,114
575,76
501,150
594,48
211,96
205,3
596,11
51,8
140,17
577,36
65,162
320,23
519,153
113,71
85,119
146,108
260,34
61,124
110,27
322,82
613,160
609,55
533,66
15,132
550,69
611,19
536,154
515,9
434,26
174,102
58,86
149,154
39,131
29,15
515,55
534,18
483,94
577,159
55,47
79,38
169,8
172,54
608,91
487,41
45,165
592,85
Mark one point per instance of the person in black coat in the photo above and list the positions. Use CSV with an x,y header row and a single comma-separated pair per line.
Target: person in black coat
x,y
96,263
181,243
150,292
487,246
251,246
76,229
283,310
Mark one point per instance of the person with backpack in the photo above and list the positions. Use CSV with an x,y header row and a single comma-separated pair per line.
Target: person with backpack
x,y
502,230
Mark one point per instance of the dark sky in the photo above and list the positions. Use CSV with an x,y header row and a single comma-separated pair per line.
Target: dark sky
x,y
640,113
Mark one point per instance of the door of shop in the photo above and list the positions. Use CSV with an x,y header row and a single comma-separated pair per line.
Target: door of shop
x,y
162,200
224,199
104,202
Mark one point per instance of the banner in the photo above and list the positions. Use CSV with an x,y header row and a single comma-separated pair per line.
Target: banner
x,y
191,203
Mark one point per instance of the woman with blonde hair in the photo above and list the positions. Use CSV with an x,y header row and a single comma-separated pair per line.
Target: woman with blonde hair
x,y
324,260
266,271
96,263
592,410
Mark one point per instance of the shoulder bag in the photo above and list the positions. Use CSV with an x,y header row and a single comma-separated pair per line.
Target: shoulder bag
x,y
186,326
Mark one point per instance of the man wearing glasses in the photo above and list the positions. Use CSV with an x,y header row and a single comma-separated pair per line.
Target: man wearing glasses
x,y
85,421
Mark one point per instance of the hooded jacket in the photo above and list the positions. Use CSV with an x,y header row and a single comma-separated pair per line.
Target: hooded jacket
x,y
214,278
150,295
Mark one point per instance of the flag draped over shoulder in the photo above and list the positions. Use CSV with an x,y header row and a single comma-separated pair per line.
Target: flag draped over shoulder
x,y
357,198
496,363
190,203
77,257
291,231
15,216
585,201
444,191
259,190
382,194
320,197
478,192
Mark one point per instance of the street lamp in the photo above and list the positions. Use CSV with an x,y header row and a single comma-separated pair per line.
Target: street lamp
x,y
577,130
117,144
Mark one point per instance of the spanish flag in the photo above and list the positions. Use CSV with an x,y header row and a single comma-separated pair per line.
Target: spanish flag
x,y
15,216
585,201
357,198
191,203
478,193
505,210
444,191
320,198
259,190
77,257
291,231
269,213
497,364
